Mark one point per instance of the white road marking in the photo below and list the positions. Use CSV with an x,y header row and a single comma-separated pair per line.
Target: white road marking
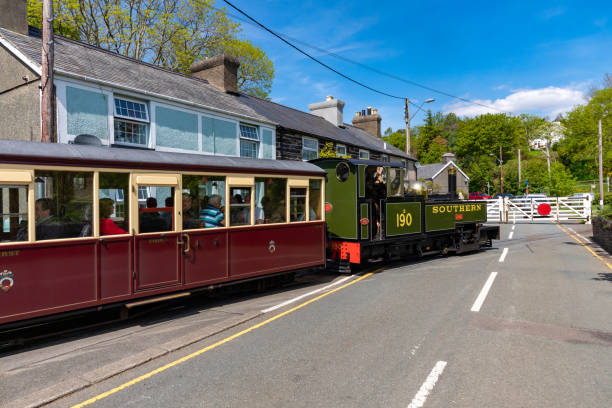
x,y
483,293
287,302
421,396
503,255
514,226
583,237
511,234
571,229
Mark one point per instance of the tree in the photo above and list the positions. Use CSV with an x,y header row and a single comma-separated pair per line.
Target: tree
x,y
431,130
397,138
578,150
169,33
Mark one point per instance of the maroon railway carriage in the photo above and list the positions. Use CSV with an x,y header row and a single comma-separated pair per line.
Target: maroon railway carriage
x,y
117,225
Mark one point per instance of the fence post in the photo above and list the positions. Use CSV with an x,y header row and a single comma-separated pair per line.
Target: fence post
x,y
557,208
587,210
531,210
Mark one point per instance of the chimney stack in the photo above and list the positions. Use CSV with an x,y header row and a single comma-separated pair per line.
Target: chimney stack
x,y
368,120
448,157
220,71
330,110
14,15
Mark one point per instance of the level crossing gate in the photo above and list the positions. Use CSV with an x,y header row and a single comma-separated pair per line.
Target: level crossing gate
x,y
504,209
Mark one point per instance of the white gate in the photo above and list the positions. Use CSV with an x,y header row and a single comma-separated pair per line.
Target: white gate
x,y
539,208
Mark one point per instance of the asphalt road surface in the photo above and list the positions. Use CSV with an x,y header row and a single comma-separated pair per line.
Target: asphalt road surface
x,y
527,323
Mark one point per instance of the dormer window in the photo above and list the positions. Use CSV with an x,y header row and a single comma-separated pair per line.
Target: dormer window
x,y
131,122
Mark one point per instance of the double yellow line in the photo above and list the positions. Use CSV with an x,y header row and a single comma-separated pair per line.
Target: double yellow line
x,y
215,345
585,246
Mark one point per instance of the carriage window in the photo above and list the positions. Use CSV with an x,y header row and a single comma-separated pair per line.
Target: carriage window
x,y
240,206
114,203
203,201
270,196
13,213
297,209
63,205
395,182
157,214
314,202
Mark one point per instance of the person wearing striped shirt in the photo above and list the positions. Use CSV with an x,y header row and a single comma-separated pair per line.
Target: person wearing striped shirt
x,y
211,215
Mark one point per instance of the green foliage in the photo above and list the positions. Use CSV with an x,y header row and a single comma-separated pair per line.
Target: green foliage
x,y
430,131
169,33
328,151
397,138
561,182
579,148
66,20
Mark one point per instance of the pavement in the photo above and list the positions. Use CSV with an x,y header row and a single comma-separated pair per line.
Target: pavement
x,y
56,372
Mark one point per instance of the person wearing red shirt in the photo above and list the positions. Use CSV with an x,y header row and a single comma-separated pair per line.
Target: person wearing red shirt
x,y
108,226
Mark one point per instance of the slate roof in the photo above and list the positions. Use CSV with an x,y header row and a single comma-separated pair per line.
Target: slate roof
x,y
428,171
88,62
307,123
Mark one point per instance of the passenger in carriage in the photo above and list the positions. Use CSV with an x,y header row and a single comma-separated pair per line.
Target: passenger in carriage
x,y
48,226
152,221
190,218
108,226
211,215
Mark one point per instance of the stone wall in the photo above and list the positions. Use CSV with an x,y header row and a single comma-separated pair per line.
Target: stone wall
x,y
602,232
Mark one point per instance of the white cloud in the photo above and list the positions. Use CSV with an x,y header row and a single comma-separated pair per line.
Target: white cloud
x,y
548,101
552,12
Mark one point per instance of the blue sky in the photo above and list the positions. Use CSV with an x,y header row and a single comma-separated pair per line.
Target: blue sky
x,y
518,56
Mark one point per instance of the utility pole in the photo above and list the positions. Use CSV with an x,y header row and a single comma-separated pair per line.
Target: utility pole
x,y
407,119
46,80
601,192
519,169
501,171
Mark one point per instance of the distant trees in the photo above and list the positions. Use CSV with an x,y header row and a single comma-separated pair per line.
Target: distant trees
x,y
169,33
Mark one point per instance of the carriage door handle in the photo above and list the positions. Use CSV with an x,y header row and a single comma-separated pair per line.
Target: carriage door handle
x,y
186,243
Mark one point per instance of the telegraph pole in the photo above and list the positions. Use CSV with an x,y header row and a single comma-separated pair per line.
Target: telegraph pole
x,y
501,170
46,80
407,119
601,192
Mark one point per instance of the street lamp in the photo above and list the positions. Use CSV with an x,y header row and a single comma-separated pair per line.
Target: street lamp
x,y
408,118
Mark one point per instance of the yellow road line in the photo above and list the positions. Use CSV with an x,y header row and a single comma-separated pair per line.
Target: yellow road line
x,y
589,249
217,344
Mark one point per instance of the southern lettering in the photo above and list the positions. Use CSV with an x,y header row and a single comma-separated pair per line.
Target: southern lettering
x,y
455,208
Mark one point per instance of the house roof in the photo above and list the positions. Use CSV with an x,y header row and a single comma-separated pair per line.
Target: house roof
x,y
431,171
94,64
308,123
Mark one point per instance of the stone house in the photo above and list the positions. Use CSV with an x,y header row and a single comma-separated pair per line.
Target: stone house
x,y
125,102
436,175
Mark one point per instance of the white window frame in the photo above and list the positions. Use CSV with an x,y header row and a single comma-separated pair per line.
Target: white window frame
x,y
385,158
341,146
146,123
304,147
365,152
257,141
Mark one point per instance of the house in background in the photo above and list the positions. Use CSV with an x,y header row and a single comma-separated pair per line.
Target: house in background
x,y
436,175
125,102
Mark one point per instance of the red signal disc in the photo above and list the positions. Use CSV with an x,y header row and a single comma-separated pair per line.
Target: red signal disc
x,y
328,207
364,221
544,209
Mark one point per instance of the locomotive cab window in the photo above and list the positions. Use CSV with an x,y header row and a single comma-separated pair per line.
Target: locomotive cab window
x,y
203,201
64,204
395,183
114,203
342,171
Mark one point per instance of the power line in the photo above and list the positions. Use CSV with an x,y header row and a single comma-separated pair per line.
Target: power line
x,y
311,57
284,37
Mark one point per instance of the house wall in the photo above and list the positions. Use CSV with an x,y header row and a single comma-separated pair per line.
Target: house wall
x,y
440,183
19,100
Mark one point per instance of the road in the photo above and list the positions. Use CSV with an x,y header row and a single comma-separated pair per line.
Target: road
x,y
524,324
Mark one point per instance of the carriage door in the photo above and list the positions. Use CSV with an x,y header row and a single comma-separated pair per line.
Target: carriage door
x,y
157,244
